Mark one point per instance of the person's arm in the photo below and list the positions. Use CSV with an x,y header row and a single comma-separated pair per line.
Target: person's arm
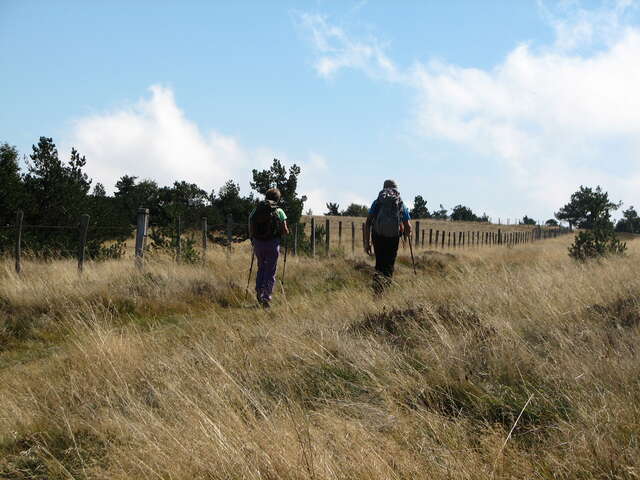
x,y
406,222
367,233
284,229
407,228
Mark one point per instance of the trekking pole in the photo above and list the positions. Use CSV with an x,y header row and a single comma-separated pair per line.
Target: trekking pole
x,y
246,290
413,262
284,266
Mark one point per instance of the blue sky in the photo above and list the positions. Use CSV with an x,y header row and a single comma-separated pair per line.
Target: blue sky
x,y
506,107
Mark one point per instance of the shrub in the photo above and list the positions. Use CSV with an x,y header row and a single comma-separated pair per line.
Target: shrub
x,y
596,243
164,240
99,252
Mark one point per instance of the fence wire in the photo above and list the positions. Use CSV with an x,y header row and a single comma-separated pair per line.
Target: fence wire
x,y
315,238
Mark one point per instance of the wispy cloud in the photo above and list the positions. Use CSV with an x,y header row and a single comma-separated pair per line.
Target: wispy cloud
x,y
553,116
576,27
337,50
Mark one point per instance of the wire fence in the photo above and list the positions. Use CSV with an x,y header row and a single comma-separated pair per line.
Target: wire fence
x,y
190,241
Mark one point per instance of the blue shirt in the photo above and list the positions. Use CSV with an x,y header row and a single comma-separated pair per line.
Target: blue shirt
x,y
405,211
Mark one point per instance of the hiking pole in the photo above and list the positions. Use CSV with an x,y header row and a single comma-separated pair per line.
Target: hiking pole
x,y
284,266
246,290
413,262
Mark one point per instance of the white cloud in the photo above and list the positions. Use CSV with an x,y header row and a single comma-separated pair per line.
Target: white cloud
x,y
153,139
554,117
337,50
577,27
317,182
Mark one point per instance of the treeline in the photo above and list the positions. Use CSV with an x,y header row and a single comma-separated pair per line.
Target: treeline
x,y
419,210
54,193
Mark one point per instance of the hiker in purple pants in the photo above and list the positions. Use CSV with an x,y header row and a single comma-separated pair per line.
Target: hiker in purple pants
x,y
267,224
267,252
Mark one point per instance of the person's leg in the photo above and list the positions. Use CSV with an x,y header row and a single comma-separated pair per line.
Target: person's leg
x,y
380,279
270,267
391,249
260,252
378,250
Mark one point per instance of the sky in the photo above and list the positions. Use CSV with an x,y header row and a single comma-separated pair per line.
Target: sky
x,y
505,107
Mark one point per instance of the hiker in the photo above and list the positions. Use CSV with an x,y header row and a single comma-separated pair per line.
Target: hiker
x,y
390,219
267,224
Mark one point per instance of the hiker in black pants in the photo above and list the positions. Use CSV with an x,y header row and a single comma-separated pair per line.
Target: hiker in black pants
x,y
388,220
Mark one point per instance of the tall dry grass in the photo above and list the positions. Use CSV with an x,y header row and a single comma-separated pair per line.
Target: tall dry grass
x,y
170,374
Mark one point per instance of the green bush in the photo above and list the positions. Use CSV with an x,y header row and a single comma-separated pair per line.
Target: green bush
x,y
599,242
164,240
99,252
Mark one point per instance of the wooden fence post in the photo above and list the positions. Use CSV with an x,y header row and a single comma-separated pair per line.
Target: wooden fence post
x,y
141,234
340,234
205,227
364,236
417,233
442,240
82,244
18,249
431,237
422,238
449,239
229,232
178,235
313,237
327,236
295,239
353,238
499,237
454,239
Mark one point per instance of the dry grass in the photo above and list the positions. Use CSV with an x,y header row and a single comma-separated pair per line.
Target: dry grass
x,y
168,374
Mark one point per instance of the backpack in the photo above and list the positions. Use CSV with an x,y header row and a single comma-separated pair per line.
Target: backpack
x,y
388,219
265,223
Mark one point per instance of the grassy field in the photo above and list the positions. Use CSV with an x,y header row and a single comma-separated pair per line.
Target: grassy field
x,y
491,363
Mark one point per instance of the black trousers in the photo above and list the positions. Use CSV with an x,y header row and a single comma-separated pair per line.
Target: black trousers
x,y
386,250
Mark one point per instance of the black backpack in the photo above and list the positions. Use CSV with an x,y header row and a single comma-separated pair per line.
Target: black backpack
x,y
265,223
388,220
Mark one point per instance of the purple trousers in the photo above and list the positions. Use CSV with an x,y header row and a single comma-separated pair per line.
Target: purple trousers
x,y
267,252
